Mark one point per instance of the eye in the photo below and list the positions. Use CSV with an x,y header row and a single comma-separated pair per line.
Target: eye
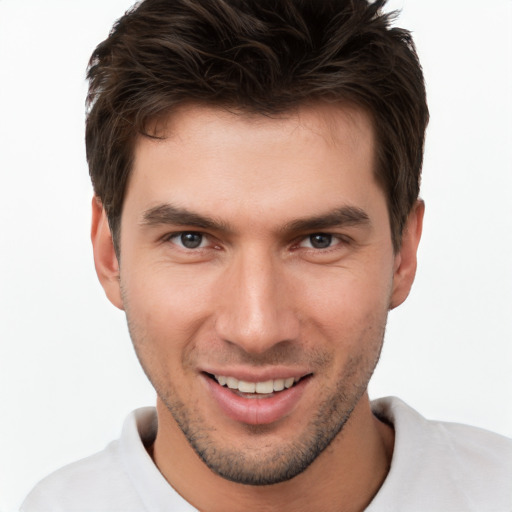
x,y
318,241
189,240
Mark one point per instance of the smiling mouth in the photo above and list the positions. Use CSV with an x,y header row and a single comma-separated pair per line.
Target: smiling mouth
x,y
245,388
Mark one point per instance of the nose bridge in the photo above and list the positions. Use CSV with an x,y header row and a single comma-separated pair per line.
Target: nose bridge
x,y
256,313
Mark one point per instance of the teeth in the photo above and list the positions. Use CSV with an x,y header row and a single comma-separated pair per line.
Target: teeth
x,y
264,388
232,382
246,387
278,384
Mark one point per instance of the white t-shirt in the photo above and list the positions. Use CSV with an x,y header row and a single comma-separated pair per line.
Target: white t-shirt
x,y
436,467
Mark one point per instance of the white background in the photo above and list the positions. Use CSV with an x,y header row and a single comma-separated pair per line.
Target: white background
x,y
68,375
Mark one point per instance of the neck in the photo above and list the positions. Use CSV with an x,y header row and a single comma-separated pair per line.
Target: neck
x,y
345,477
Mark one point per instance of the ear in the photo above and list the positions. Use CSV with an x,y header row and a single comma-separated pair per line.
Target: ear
x,y
105,259
405,259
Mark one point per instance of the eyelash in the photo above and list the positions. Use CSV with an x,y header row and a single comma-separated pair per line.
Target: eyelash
x,y
331,245
341,240
170,236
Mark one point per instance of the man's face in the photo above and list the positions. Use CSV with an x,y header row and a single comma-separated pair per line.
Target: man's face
x,y
256,252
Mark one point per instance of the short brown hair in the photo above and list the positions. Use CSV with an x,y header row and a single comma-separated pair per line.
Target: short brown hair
x,y
263,56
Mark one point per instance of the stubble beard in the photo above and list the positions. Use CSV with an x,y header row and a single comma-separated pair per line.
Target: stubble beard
x,y
284,461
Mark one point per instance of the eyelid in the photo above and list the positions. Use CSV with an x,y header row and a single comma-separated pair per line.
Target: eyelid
x,y
337,240
176,234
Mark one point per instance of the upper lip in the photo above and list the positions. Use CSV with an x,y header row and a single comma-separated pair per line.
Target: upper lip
x,y
258,375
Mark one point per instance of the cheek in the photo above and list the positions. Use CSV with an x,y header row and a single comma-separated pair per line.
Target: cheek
x,y
349,308
347,295
162,294
166,311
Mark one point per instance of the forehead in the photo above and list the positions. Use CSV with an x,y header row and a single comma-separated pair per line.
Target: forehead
x,y
213,159
337,125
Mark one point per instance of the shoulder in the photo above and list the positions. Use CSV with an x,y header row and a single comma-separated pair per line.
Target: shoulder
x,y
101,482
88,484
445,466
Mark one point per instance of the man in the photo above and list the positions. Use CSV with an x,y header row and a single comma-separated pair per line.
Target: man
x,y
256,171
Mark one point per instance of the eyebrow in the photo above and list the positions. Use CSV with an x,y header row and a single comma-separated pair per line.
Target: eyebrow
x,y
167,213
340,217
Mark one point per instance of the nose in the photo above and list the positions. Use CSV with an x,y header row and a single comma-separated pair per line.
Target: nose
x,y
256,310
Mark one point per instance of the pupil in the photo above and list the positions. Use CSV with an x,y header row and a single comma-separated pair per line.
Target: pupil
x,y
320,241
191,240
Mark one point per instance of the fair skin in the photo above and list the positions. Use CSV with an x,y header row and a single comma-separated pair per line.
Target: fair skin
x,y
256,250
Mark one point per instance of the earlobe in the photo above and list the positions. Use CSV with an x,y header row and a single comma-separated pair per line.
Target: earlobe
x,y
406,258
105,258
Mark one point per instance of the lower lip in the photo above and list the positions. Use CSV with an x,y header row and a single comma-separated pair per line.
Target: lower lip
x,y
256,411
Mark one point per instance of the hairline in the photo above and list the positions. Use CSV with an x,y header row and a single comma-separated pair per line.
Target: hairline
x,y
157,126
